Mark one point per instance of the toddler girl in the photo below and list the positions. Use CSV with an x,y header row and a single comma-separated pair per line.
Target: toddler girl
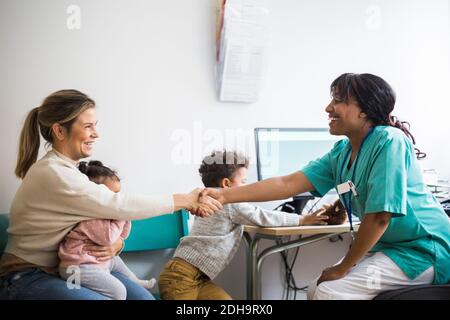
x,y
76,261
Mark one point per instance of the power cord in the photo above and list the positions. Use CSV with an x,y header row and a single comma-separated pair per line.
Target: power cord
x,y
314,205
291,287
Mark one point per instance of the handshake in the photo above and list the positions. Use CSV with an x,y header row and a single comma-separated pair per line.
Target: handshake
x,y
202,202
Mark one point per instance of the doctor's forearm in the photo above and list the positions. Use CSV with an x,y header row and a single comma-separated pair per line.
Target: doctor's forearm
x,y
277,188
370,231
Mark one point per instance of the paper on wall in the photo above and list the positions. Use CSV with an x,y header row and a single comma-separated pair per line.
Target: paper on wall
x,y
242,45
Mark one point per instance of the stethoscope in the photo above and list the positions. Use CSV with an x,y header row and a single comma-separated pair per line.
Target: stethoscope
x,y
344,188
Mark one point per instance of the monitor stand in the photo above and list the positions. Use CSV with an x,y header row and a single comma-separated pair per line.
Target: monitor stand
x,y
299,201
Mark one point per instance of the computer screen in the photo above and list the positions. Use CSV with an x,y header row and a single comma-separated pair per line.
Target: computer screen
x,y
281,151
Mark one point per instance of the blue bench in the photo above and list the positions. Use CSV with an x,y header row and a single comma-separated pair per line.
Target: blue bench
x,y
4,223
158,233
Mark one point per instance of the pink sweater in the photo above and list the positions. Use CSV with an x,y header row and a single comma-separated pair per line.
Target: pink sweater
x,y
103,232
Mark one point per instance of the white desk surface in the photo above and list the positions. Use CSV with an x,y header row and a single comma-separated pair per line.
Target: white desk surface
x,y
300,230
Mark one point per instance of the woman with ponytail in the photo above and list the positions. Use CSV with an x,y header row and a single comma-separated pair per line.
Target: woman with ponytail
x,y
404,236
55,196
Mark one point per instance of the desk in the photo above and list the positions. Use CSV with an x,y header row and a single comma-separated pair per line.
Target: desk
x,y
255,259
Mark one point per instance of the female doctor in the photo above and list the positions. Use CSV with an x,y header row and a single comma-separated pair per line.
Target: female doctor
x,y
404,236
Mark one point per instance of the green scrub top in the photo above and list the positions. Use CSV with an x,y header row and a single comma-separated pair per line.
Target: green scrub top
x,y
388,179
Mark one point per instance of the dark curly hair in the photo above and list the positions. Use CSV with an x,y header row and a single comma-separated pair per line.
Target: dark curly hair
x,y
96,171
220,165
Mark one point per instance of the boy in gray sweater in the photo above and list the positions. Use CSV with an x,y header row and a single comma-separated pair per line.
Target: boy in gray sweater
x,y
213,241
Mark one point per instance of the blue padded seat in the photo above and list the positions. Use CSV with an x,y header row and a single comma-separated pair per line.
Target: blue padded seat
x,y
4,223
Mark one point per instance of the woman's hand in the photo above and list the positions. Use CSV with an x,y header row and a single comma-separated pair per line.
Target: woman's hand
x,y
333,273
103,253
203,208
314,218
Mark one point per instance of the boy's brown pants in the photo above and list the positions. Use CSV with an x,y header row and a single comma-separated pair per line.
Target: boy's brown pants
x,y
180,280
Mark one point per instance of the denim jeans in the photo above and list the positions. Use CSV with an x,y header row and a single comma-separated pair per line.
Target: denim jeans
x,y
34,284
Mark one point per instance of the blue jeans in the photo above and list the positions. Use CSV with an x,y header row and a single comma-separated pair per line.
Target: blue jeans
x,y
34,284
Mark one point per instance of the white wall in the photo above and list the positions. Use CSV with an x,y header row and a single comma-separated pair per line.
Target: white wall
x,y
150,66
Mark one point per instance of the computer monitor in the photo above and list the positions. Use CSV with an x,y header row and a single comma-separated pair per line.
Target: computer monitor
x,y
281,151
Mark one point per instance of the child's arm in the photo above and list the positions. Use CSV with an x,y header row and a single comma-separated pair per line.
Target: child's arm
x,y
103,232
126,230
245,213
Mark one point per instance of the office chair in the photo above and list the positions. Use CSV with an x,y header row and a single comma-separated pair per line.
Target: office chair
x,y
423,292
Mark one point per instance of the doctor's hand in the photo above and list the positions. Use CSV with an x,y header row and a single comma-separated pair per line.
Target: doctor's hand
x,y
202,206
215,193
333,273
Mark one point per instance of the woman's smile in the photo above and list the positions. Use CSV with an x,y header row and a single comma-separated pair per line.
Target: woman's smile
x,y
88,145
